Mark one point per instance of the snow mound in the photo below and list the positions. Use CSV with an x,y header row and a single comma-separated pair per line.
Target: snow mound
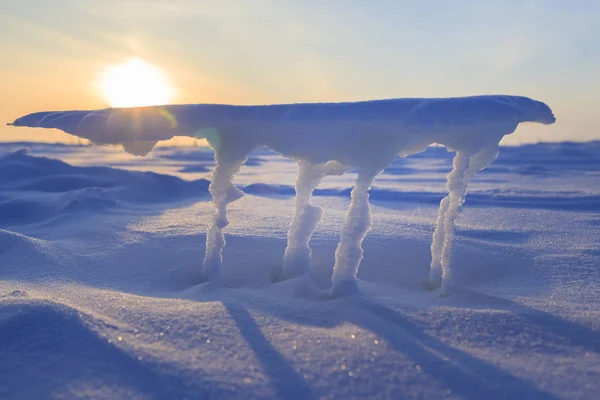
x,y
49,188
20,171
325,139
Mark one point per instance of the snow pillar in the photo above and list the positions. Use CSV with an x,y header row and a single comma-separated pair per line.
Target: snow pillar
x,y
349,252
296,260
463,169
223,192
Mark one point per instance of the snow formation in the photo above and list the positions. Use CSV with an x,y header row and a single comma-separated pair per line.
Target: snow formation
x,y
325,139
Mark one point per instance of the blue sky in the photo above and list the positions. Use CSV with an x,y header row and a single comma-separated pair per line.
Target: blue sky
x,y
270,51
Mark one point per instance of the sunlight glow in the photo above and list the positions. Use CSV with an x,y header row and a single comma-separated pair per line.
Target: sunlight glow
x,y
136,83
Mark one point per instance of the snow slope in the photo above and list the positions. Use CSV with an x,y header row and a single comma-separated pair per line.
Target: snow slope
x,y
100,294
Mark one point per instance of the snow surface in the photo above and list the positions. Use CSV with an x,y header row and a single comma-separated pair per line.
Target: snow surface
x,y
324,138
99,271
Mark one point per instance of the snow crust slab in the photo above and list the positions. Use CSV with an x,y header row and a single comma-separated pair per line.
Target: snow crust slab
x,y
351,133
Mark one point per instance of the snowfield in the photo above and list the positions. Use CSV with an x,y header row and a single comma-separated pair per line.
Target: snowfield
x,y
101,294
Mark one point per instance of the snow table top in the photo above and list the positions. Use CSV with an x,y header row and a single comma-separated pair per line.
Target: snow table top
x,y
405,125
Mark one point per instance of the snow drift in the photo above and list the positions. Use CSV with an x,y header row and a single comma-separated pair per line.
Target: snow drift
x,y
324,138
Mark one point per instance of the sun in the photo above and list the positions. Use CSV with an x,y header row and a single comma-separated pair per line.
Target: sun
x,y
136,83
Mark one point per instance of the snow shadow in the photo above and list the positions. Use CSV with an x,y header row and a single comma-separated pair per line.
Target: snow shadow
x,y
49,348
573,332
288,383
463,374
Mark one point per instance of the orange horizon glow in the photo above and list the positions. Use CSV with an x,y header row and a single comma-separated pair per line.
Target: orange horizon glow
x,y
218,53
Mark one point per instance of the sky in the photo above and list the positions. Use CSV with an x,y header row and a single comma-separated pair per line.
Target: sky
x,y
55,52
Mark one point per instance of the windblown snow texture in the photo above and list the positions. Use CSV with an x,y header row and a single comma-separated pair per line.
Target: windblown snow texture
x,y
367,135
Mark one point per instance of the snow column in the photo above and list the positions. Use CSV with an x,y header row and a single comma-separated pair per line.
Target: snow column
x,y
349,252
463,169
296,260
223,192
